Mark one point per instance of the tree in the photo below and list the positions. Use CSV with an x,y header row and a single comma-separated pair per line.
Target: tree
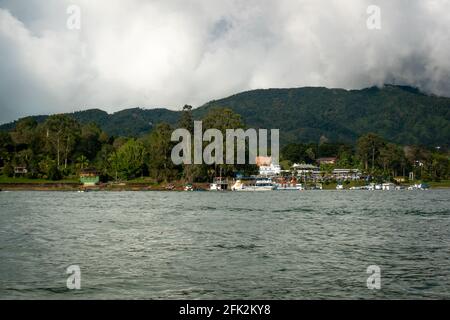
x,y
50,168
159,149
25,131
103,160
128,161
293,152
439,167
391,158
223,119
82,162
190,171
89,144
186,121
8,170
27,144
310,154
418,157
368,148
62,134
6,148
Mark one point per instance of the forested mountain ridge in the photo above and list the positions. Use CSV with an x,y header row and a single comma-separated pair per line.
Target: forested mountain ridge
x,y
397,113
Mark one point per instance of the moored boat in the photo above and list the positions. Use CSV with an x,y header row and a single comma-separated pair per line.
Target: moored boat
x,y
219,184
291,185
420,186
260,184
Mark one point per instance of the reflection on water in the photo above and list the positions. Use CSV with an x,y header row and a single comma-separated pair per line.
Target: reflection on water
x,y
206,245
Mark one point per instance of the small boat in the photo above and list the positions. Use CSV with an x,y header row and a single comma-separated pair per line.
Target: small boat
x,y
292,185
388,186
420,186
261,184
373,186
188,187
296,187
317,186
219,184
340,186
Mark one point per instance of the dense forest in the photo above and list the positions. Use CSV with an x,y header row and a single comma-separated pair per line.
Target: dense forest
x,y
398,114
61,147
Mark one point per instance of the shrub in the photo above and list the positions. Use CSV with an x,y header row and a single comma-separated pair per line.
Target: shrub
x,y
54,173
8,170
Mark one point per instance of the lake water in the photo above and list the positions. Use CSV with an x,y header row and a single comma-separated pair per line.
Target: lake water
x,y
212,245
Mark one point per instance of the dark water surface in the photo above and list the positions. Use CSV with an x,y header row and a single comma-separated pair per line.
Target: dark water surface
x,y
212,245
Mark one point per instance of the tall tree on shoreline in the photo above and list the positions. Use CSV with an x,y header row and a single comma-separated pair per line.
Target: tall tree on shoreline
x,y
368,149
128,161
190,171
159,148
61,136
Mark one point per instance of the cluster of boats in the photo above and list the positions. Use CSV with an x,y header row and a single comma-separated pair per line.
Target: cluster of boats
x,y
281,184
257,184
388,187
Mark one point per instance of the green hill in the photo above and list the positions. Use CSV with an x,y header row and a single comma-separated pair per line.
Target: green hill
x,y
397,113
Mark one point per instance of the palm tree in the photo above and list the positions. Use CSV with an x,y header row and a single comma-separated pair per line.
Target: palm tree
x,y
82,162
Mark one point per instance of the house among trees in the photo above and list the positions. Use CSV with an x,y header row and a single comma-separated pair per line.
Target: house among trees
x,y
89,177
20,170
301,168
327,160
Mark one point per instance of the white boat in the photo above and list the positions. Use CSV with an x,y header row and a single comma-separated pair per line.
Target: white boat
x,y
219,184
261,184
373,186
293,187
420,186
388,186
340,187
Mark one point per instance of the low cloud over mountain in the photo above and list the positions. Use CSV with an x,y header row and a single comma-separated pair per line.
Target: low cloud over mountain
x,y
168,53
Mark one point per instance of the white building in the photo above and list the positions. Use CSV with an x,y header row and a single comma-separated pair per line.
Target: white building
x,y
346,174
271,170
266,167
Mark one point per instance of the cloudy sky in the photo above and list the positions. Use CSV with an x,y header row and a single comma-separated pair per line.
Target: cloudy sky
x,y
167,53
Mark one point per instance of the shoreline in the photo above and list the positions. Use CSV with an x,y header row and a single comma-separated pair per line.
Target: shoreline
x,y
55,186
74,187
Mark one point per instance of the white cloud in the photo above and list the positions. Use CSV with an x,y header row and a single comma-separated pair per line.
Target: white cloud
x,y
168,53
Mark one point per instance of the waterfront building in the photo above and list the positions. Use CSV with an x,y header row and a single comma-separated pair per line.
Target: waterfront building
x,y
306,171
89,177
346,174
266,167
272,170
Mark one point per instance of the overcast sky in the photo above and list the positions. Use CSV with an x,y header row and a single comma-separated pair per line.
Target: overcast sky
x,y
168,53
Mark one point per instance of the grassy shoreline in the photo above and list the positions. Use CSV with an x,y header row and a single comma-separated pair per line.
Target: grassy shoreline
x,y
22,184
